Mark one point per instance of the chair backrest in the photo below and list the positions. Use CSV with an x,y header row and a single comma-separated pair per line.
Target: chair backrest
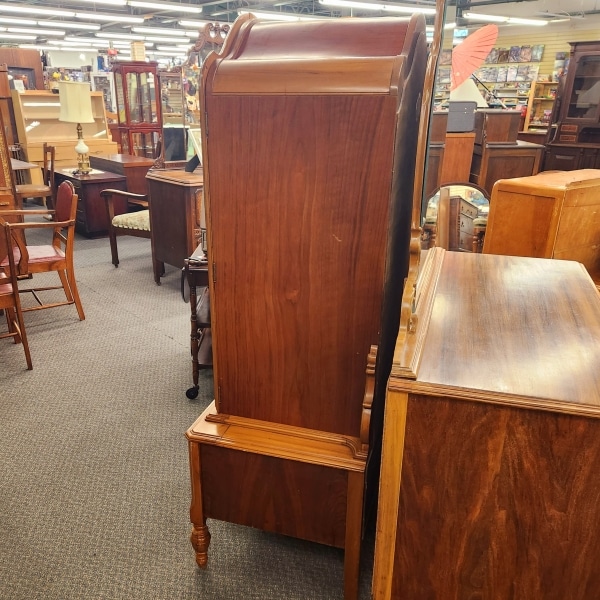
x,y
49,153
66,202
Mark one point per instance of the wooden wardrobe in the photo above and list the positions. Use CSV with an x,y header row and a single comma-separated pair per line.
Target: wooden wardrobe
x,y
309,143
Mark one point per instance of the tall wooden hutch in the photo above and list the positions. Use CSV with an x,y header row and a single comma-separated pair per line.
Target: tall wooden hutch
x,y
138,108
308,173
576,140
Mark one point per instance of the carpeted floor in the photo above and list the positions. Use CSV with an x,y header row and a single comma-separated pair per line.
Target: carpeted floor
x,y
94,489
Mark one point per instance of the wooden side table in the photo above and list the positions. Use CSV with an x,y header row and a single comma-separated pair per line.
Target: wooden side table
x,y
174,216
92,217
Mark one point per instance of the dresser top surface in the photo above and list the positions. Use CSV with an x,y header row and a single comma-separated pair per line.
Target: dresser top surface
x,y
511,329
177,177
555,180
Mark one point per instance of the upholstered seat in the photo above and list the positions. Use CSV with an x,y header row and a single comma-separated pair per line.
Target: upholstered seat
x,y
139,220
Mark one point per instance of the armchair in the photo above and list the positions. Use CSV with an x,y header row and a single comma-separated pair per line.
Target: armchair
x,y
135,222
56,256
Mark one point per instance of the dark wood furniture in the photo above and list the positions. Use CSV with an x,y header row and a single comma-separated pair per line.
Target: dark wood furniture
x,y
138,108
24,64
175,217
489,480
196,273
134,221
494,161
305,186
554,214
134,168
576,140
92,218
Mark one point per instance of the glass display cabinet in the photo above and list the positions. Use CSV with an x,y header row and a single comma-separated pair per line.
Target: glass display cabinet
x,y
138,108
576,142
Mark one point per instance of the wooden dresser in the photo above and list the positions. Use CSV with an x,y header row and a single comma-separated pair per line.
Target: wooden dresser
x,y
174,216
554,214
490,481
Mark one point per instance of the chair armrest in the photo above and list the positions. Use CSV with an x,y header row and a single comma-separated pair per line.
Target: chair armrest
x,y
18,211
129,195
132,199
46,225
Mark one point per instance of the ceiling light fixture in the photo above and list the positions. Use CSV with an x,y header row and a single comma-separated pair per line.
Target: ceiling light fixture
x,y
394,8
277,16
9,20
166,6
185,23
38,11
109,18
36,31
14,36
120,36
66,25
506,20
162,31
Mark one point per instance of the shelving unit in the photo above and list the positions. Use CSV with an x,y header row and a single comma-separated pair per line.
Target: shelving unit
x,y
539,107
36,118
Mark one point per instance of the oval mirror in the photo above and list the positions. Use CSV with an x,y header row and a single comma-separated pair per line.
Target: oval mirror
x,y
456,218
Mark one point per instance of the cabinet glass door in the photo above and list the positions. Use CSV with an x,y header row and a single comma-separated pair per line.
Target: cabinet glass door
x,y
585,97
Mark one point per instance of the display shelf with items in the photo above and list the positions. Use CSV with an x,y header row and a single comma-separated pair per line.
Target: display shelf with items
x,y
539,107
138,107
104,82
576,136
36,117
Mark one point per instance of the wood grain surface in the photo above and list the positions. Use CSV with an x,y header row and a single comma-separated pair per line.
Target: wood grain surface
x,y
498,503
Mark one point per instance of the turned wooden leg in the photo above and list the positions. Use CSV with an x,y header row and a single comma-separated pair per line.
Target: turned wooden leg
x,y
200,539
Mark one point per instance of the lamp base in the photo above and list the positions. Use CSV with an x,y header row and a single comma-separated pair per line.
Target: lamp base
x,y
83,165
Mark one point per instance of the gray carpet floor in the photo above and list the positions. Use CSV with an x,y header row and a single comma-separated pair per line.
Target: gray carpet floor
x,y
94,489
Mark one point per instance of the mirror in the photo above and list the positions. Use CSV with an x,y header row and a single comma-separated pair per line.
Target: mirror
x,y
456,218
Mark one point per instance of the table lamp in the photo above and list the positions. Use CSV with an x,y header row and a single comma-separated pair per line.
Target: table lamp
x,y
76,107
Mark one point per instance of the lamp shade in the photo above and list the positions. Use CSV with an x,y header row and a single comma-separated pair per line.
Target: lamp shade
x,y
75,102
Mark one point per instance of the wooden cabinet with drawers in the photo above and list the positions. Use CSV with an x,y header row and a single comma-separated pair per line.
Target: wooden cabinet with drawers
x,y
92,218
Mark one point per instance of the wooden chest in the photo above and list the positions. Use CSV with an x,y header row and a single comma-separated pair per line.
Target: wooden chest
x,y
553,214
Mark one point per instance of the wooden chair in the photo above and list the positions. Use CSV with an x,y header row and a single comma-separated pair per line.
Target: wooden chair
x,y
135,222
56,256
46,190
10,302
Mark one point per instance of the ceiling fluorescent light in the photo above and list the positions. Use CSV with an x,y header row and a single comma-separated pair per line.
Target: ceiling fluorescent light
x,y
120,36
107,2
36,31
166,6
533,22
86,26
483,17
37,11
277,16
165,40
162,31
395,8
109,18
185,23
10,21
15,36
